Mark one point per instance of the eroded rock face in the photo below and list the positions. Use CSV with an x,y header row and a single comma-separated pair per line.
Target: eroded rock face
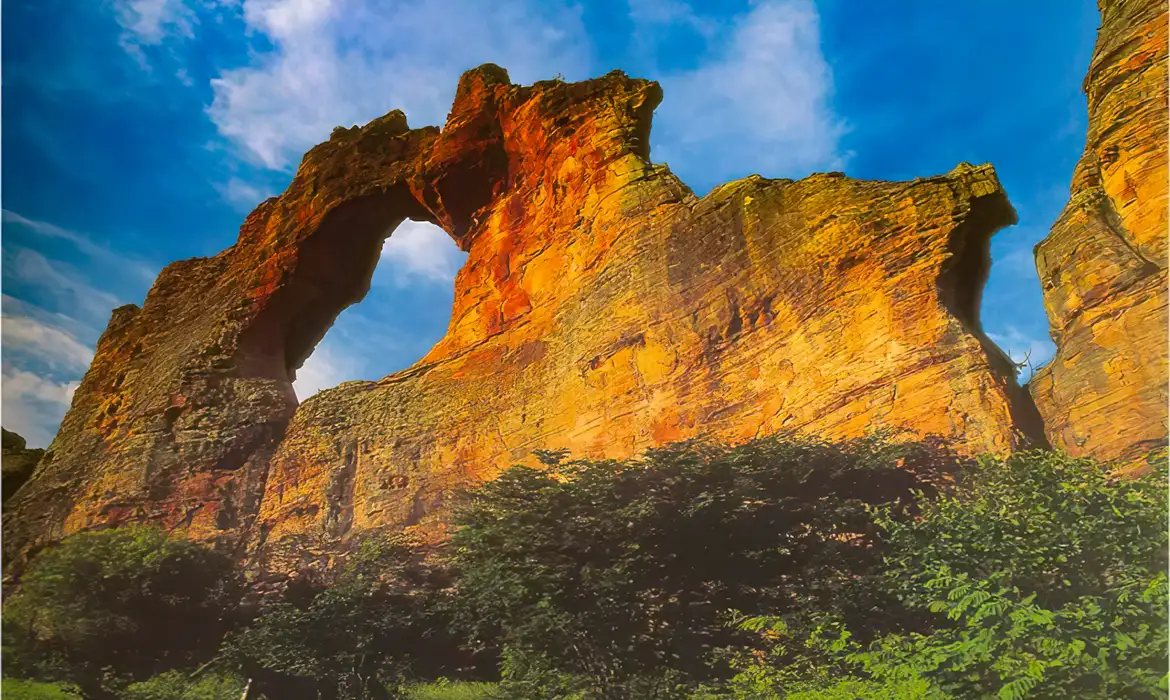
x,y
1103,266
603,308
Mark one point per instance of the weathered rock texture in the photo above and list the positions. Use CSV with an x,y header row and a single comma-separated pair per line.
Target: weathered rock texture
x,y
18,462
603,308
1103,266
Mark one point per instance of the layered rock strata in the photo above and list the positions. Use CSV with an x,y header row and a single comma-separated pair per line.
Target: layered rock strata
x,y
1103,266
603,308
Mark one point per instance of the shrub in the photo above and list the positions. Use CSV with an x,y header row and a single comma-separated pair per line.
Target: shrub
x,y
354,638
618,572
1042,576
114,605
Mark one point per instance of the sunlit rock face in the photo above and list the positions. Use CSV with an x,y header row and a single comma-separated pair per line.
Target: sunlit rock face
x,y
1103,266
603,308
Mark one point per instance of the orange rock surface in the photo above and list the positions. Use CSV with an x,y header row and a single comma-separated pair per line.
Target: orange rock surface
x,y
1103,266
603,308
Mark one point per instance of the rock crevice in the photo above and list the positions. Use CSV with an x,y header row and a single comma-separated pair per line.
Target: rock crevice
x,y
1103,266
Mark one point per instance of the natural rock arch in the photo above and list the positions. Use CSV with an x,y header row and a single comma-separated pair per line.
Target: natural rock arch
x,y
603,307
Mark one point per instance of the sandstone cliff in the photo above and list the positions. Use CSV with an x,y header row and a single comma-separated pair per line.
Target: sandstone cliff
x,y
603,308
1103,266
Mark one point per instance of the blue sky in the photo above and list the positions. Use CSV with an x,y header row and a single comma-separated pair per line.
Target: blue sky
x,y
137,132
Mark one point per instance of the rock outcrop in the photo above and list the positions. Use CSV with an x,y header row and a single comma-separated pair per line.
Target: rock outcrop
x,y
1103,266
603,308
17,461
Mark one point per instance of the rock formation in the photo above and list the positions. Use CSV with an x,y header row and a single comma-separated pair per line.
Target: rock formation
x,y
603,308
18,462
1103,266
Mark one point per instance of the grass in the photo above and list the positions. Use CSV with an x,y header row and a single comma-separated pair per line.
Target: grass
x,y
15,689
450,690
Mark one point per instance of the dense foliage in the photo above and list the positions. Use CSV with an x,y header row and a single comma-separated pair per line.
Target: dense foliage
x,y
362,635
1044,577
619,574
106,607
780,568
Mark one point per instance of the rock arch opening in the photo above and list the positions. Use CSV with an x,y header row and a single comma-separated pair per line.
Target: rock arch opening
x,y
336,268
405,311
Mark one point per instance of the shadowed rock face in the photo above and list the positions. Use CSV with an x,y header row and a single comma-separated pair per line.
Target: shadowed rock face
x,y
18,463
603,308
1103,266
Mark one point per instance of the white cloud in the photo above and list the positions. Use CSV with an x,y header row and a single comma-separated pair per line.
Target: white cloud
x,y
33,405
16,307
46,343
416,249
242,195
1023,348
344,62
64,283
84,244
761,103
667,12
150,22
326,368
46,352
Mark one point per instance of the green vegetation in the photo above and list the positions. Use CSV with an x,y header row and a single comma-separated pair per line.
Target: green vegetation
x,y
108,607
368,631
1042,577
177,685
620,573
444,689
780,568
15,689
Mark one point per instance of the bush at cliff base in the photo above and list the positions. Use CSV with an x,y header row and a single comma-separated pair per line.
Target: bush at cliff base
x,y
612,578
362,636
1043,578
782,568
103,608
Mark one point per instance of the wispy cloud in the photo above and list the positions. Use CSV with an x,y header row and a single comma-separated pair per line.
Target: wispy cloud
x,y
152,21
64,283
419,251
1024,349
33,405
84,244
242,195
759,103
49,344
47,335
85,332
343,62
327,367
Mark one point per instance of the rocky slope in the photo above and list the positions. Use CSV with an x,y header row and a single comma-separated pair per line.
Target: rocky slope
x,y
1103,266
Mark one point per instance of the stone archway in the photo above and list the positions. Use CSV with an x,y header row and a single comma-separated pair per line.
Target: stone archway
x,y
189,394
603,308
